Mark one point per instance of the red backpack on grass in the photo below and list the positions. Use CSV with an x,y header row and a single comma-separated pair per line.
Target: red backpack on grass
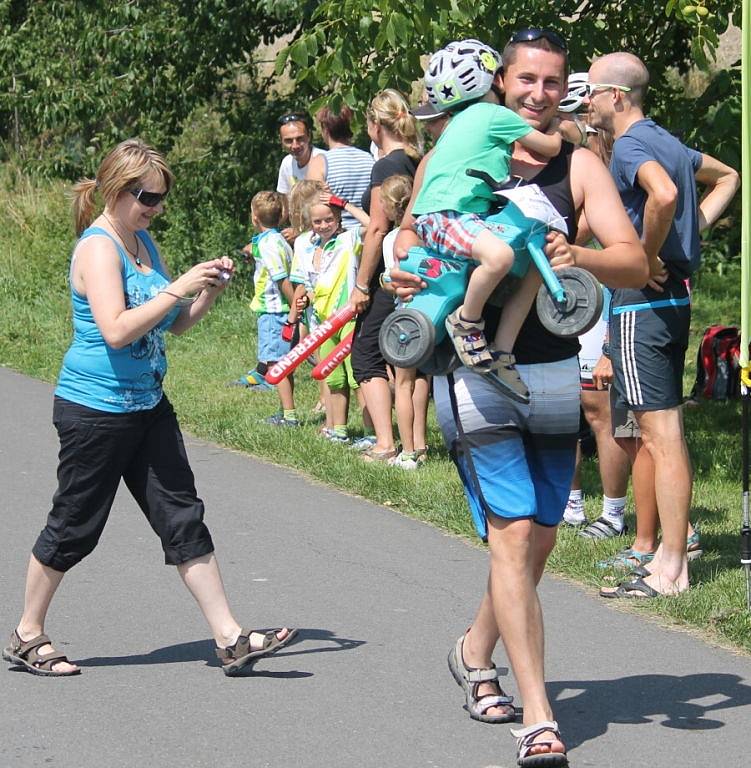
x,y
718,372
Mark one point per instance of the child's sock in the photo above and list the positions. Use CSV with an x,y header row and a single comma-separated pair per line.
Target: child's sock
x,y
290,415
613,510
340,430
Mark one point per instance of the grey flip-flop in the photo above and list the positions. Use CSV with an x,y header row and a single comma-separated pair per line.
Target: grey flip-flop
x,y
631,589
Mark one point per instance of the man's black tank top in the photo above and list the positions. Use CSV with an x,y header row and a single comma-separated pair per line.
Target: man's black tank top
x,y
535,344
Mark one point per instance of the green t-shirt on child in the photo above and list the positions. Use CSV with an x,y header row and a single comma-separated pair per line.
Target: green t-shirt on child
x,y
480,136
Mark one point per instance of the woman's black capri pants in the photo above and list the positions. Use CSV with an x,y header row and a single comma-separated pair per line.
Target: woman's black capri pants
x,y
97,449
367,360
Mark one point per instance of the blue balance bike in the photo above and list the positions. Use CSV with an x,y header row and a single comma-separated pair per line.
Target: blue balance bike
x,y
569,301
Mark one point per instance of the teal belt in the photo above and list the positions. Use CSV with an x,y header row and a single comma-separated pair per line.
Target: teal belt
x,y
661,304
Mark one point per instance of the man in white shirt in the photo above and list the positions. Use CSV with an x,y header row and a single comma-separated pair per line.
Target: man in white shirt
x,y
294,132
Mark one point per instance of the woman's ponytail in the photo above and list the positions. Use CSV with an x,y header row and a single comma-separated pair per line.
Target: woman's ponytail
x,y
390,110
83,203
406,127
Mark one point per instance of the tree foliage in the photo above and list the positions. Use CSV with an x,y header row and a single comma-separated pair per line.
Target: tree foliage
x,y
78,77
707,20
356,47
75,77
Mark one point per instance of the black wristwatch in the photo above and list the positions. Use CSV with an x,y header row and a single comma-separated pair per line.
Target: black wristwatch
x,y
606,350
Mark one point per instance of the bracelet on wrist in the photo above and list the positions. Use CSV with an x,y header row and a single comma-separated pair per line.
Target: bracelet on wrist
x,y
365,290
182,301
385,279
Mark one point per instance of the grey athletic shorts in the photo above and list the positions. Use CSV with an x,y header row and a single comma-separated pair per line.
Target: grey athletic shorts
x,y
648,344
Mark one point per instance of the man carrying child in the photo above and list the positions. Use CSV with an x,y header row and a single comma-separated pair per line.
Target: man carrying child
x,y
450,204
518,509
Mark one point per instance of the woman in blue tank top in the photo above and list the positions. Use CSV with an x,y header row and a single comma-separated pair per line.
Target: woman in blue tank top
x,y
112,417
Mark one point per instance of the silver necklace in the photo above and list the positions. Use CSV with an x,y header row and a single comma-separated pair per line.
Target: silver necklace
x,y
136,256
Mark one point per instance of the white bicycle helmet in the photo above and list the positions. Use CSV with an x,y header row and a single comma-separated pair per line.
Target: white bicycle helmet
x,y
463,71
577,90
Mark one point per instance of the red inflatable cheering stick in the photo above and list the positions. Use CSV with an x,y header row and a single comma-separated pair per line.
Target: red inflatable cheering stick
x,y
334,359
288,331
308,345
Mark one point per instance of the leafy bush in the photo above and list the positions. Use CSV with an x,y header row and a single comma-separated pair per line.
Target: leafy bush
x,y
224,155
76,78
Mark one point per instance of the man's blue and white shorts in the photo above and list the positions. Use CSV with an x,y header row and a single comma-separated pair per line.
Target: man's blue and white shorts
x,y
523,455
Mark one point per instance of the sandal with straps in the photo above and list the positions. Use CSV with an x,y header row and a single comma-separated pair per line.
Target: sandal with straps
x,y
235,657
26,654
627,560
525,743
470,679
373,456
468,338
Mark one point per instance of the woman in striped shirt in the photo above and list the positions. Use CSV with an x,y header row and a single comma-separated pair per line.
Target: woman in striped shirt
x,y
344,168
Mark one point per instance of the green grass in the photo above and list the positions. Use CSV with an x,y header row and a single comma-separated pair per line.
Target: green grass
x,y
35,322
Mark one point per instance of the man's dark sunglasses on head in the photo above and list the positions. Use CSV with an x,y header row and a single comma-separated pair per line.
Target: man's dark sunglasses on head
x,y
294,117
530,34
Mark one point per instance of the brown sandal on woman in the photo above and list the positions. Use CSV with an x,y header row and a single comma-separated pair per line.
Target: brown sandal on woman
x,y
26,654
235,657
373,456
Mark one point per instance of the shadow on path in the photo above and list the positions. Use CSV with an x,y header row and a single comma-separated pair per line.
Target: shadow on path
x,y
585,708
203,650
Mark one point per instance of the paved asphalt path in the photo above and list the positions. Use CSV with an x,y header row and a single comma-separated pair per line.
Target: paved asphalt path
x,y
378,598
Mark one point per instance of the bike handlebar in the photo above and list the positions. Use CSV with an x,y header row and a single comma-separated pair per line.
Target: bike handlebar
x,y
487,178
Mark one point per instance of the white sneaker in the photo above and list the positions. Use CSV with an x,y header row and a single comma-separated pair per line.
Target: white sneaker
x,y
574,515
404,461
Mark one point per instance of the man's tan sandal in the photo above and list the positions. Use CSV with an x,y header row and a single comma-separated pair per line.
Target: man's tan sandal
x,y
26,654
471,678
525,743
241,654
